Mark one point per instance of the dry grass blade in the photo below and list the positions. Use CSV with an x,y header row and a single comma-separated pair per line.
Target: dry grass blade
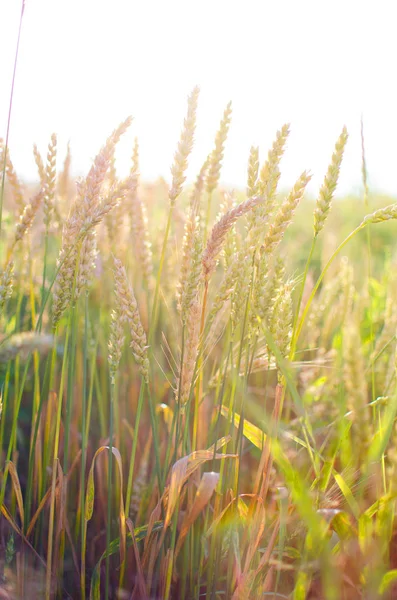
x,y
90,496
204,492
10,467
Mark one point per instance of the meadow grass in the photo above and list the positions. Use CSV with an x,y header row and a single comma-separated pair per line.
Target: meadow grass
x,y
198,387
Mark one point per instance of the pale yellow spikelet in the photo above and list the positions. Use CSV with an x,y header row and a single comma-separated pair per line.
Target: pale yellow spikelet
x,y
64,178
50,180
216,157
191,268
87,257
87,211
268,282
116,196
139,222
267,187
22,344
284,215
115,219
281,320
220,231
185,145
140,230
381,215
26,219
129,314
6,279
192,250
96,176
270,172
116,341
13,180
225,289
242,287
40,165
191,351
198,188
230,246
327,190
252,172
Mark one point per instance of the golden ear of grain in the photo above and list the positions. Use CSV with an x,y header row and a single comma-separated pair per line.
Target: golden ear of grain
x,y
87,211
285,213
27,216
23,344
184,148
327,190
6,279
13,180
128,313
190,356
216,157
381,215
64,176
267,187
220,231
50,180
253,172
270,172
116,342
40,165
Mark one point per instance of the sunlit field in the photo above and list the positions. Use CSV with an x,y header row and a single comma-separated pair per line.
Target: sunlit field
x,y
195,405
198,382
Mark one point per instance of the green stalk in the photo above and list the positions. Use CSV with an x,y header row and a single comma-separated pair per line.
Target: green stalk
x,y
153,419
83,450
55,460
171,555
5,394
50,366
45,263
69,396
109,491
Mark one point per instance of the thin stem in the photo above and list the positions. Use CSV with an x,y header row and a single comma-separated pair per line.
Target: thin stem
x,y
109,494
83,449
9,112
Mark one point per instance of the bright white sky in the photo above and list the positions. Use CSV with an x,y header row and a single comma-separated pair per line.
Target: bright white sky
x,y
85,65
